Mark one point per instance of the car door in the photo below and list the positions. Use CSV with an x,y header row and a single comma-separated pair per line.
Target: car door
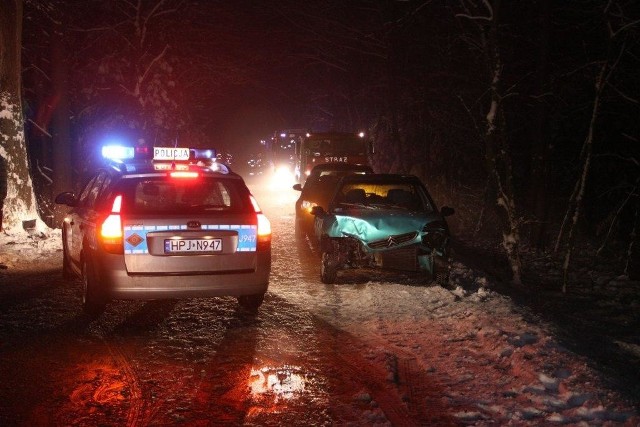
x,y
83,216
72,236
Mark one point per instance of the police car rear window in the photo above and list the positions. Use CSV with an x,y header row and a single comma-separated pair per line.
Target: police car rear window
x,y
175,196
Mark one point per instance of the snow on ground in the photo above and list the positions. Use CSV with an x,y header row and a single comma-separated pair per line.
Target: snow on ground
x,y
495,362
19,249
483,351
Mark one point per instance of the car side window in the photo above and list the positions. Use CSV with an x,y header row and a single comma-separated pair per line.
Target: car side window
x,y
85,191
104,187
95,190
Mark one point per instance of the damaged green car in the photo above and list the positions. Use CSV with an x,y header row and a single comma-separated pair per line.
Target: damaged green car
x,y
383,221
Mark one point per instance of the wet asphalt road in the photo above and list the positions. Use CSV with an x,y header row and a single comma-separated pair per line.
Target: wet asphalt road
x,y
195,362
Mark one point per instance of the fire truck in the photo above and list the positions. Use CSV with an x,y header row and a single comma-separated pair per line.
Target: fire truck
x,y
315,148
282,152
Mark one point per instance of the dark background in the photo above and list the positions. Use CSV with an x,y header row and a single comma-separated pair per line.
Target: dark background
x,y
415,75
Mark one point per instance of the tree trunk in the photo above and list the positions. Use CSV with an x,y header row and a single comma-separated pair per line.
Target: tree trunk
x,y
499,160
540,144
61,150
582,180
20,202
498,154
632,266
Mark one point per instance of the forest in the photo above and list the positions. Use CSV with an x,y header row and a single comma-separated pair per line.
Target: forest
x,y
522,115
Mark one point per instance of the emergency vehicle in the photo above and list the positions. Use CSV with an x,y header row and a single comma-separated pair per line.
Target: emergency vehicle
x,y
177,225
331,147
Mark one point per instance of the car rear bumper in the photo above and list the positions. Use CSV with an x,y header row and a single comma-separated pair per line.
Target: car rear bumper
x,y
116,283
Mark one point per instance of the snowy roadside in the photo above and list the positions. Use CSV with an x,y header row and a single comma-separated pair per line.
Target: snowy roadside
x,y
19,250
487,353
495,362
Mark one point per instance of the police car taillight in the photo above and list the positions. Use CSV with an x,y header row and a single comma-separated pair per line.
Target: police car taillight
x,y
111,228
264,226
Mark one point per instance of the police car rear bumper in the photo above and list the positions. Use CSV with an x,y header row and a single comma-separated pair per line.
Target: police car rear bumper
x,y
117,283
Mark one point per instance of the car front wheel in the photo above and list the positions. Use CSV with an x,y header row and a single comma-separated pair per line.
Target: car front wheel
x,y
329,269
299,229
441,272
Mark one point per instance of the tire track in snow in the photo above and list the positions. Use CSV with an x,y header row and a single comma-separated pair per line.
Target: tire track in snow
x,y
136,413
411,398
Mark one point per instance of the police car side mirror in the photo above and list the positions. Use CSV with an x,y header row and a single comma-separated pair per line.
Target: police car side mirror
x,y
67,198
446,211
317,211
297,187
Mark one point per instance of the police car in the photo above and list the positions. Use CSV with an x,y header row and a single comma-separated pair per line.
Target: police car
x,y
179,225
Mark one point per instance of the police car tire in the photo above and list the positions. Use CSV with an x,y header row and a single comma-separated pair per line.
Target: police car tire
x,y
66,265
251,302
91,303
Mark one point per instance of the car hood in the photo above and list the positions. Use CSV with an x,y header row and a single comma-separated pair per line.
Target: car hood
x,y
370,225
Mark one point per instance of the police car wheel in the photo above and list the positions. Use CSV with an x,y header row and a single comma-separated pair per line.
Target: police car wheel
x,y
66,264
251,302
91,303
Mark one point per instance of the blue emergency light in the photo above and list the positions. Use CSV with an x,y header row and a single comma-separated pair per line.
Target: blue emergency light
x,y
117,152
203,153
120,153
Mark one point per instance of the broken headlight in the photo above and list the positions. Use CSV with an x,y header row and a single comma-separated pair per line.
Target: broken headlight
x,y
435,235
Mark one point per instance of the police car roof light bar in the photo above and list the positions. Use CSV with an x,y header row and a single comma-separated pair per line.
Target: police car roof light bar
x,y
201,154
117,152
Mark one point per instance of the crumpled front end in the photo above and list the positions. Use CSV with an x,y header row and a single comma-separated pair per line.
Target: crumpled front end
x,y
373,226
389,240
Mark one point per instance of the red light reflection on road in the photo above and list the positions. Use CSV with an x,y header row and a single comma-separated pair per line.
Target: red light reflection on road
x,y
285,382
272,389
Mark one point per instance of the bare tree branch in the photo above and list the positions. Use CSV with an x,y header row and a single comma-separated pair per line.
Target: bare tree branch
x,y
40,128
150,66
623,95
479,17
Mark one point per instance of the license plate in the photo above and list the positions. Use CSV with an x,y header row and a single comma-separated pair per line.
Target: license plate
x,y
192,245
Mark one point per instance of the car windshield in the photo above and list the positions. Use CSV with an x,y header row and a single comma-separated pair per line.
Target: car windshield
x,y
337,145
323,181
175,196
405,196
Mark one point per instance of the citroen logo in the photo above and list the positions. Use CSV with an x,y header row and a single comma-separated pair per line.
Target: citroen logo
x,y
194,224
391,241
